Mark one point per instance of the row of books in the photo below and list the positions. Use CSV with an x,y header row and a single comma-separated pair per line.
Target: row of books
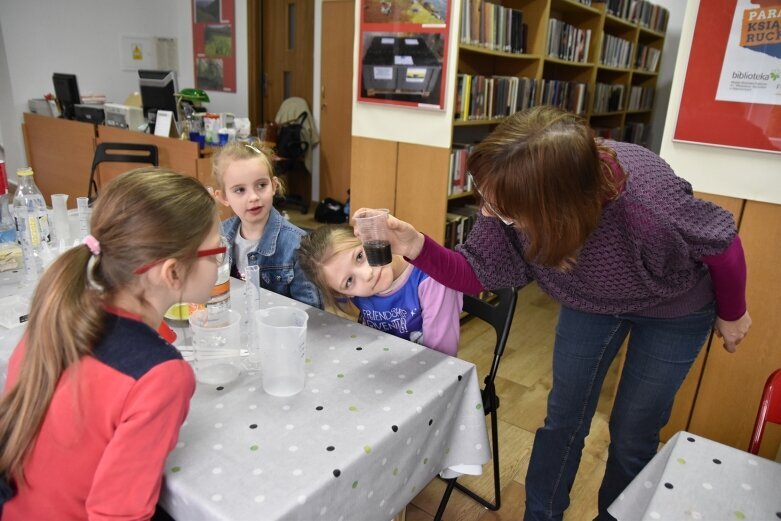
x,y
647,58
616,52
636,132
641,98
608,98
645,13
493,26
568,42
489,97
458,181
614,133
567,95
458,223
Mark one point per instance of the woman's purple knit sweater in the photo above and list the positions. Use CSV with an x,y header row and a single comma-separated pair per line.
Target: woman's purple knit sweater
x,y
645,256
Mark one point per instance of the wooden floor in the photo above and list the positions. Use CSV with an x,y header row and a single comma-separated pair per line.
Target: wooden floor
x,y
522,384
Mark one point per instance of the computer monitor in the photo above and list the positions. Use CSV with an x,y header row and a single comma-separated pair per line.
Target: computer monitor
x,y
158,91
67,92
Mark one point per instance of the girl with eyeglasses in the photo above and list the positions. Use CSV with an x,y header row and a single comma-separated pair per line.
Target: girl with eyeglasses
x,y
609,231
94,397
258,235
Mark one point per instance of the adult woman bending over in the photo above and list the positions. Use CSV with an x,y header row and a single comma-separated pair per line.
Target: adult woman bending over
x,y
609,231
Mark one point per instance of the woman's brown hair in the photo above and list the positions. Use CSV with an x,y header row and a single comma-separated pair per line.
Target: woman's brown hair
x,y
541,168
142,216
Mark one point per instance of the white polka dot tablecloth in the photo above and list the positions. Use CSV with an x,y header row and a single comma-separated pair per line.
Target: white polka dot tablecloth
x,y
379,418
695,478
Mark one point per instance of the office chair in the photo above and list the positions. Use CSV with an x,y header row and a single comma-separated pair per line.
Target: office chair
x,y
769,410
498,314
118,153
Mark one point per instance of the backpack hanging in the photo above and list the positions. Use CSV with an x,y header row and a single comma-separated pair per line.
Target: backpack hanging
x,y
290,142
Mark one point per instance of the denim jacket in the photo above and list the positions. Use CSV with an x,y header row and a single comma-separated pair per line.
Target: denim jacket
x,y
276,256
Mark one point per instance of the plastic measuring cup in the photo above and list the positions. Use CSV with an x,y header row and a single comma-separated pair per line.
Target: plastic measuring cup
x,y
216,346
282,337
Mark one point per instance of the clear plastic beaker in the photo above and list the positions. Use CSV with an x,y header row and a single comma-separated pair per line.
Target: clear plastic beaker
x,y
281,333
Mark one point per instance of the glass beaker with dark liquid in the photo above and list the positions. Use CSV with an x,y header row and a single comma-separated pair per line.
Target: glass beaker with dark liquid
x,y
373,227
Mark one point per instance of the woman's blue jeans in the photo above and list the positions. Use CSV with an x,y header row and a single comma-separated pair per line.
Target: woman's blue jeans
x,y
659,354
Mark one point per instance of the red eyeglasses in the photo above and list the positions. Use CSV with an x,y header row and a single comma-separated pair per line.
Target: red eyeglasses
x,y
218,253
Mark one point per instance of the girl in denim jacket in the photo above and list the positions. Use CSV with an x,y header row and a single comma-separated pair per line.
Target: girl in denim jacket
x,y
258,235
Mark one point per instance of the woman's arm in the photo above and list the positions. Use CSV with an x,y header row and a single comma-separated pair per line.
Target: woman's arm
x,y
728,274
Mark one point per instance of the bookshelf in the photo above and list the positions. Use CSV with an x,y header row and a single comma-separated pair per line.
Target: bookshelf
x,y
597,59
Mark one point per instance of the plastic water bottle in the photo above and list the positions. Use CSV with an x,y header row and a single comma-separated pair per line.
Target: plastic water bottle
x,y
219,300
30,205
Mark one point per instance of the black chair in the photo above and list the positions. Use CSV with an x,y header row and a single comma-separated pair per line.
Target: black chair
x,y
119,153
499,314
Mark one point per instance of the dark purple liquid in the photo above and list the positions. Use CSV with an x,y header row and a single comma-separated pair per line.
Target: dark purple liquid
x,y
378,253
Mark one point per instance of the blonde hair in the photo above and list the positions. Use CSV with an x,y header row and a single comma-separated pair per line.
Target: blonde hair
x,y
142,216
542,168
240,151
317,248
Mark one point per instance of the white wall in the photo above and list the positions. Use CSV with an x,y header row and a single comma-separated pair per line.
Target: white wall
x,y
39,37
744,174
666,70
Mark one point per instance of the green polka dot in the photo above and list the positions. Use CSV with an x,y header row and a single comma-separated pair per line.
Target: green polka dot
x,y
367,449
739,515
355,484
447,450
353,336
176,469
681,461
340,375
479,406
386,348
409,391
353,408
253,448
396,471
414,488
308,361
425,461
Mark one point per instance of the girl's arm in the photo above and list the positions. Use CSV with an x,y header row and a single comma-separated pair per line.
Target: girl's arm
x,y
128,478
441,308
447,266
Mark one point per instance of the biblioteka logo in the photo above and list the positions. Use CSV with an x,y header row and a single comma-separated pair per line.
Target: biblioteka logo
x,y
739,75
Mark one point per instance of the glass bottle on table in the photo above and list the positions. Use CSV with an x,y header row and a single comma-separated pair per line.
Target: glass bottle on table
x,y
36,226
219,300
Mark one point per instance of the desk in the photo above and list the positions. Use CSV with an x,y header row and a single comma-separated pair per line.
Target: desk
x,y
378,419
695,478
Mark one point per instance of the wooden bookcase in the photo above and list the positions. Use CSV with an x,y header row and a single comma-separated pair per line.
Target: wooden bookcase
x,y
633,70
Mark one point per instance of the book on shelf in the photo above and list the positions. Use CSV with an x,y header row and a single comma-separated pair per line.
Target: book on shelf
x,y
492,97
567,42
493,26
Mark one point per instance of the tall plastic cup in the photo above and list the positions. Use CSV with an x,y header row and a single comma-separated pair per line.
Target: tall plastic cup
x,y
373,227
216,346
282,335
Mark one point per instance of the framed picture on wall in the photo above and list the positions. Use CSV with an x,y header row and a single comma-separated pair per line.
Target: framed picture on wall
x,y
403,53
732,90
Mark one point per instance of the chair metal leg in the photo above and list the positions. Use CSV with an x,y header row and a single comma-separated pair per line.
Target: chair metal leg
x,y
451,483
497,485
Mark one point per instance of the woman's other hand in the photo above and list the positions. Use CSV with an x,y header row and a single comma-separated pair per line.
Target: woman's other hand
x,y
733,332
404,238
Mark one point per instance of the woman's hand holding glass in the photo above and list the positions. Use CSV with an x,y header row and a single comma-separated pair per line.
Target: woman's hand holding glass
x,y
403,237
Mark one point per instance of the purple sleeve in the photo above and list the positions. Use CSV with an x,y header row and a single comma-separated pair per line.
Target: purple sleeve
x,y
728,273
441,308
447,267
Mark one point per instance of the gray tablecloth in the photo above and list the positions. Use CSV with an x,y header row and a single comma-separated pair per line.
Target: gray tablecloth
x,y
695,478
378,419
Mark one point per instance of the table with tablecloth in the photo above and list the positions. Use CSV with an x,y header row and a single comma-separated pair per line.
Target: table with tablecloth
x,y
693,477
379,417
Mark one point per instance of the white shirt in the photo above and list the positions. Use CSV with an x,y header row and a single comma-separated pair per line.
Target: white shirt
x,y
241,248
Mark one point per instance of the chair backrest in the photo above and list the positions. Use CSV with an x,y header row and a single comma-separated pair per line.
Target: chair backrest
x,y
769,410
120,153
499,314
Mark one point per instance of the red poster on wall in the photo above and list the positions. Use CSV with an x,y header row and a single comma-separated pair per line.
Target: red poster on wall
x,y
732,90
214,44
403,52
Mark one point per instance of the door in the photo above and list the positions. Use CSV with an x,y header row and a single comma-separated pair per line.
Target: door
x,y
336,82
287,48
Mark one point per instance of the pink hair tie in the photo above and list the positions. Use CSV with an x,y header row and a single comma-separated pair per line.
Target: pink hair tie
x,y
93,244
